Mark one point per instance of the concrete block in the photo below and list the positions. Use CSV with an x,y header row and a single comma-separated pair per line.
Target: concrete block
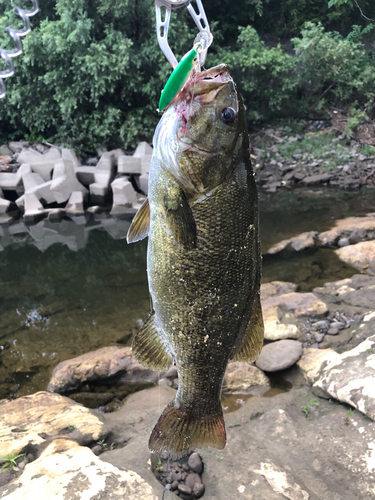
x,y
34,210
116,153
143,149
13,181
17,146
129,165
104,174
64,181
124,196
70,154
41,164
75,205
85,174
142,183
34,184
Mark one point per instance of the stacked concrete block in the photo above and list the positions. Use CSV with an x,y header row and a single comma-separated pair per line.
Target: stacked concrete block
x,y
70,154
144,152
142,183
104,174
34,184
13,182
64,181
75,205
124,196
129,165
34,210
4,204
41,164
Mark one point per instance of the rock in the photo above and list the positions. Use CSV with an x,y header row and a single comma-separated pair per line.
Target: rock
x,y
313,360
276,288
192,479
241,377
67,470
360,256
274,329
17,146
184,489
301,304
279,355
42,164
281,481
5,151
195,463
333,331
298,243
29,420
198,490
64,181
99,365
343,242
354,229
318,179
319,337
350,378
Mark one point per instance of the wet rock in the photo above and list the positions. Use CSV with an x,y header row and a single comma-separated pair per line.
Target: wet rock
x,y
279,355
298,243
195,463
360,256
66,469
354,229
241,377
31,419
333,331
350,378
313,360
99,365
193,479
319,337
276,288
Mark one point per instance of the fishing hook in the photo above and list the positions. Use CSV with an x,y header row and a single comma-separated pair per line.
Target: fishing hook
x,y
15,34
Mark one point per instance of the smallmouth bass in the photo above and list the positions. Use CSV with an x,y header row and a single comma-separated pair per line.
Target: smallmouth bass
x,y
203,259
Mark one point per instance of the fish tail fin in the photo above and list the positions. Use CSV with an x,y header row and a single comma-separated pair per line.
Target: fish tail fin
x,y
178,432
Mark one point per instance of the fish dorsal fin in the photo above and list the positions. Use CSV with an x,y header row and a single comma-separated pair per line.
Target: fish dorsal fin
x,y
141,224
148,347
180,218
253,341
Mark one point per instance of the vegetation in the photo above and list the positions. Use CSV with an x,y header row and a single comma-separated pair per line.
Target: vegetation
x,y
92,72
11,461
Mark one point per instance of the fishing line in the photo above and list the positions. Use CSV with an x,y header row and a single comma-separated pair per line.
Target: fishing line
x,y
165,479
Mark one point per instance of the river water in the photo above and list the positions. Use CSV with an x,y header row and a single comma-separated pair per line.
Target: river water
x,y
72,287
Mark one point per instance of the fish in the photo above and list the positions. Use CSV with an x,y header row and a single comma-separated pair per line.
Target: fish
x,y
203,258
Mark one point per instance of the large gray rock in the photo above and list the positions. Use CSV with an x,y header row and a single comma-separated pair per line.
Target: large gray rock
x,y
279,355
355,229
66,470
276,288
312,362
350,378
99,365
361,256
274,327
297,243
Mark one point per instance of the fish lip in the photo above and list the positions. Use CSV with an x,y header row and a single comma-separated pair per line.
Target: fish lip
x,y
195,149
209,80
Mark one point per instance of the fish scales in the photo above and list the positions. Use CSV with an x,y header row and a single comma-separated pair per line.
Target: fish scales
x,y
203,265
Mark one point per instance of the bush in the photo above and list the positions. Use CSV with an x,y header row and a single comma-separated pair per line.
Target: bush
x,y
335,70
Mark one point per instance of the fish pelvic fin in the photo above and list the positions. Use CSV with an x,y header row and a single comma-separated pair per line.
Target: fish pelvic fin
x,y
178,432
148,348
140,225
253,341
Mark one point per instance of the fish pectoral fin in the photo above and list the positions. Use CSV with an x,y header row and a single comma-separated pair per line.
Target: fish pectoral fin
x,y
148,347
253,341
180,218
140,225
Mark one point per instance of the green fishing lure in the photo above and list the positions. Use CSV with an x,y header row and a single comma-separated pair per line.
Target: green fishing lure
x,y
178,78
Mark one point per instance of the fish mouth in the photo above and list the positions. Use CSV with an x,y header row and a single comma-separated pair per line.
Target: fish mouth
x,y
208,83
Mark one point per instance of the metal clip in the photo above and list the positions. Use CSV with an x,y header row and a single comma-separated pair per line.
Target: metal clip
x,y
162,26
6,55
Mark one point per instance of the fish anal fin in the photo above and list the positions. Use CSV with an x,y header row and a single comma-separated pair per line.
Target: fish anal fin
x,y
140,225
253,340
148,348
178,432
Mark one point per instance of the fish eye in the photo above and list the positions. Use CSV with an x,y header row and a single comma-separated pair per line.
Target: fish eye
x,y
228,115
